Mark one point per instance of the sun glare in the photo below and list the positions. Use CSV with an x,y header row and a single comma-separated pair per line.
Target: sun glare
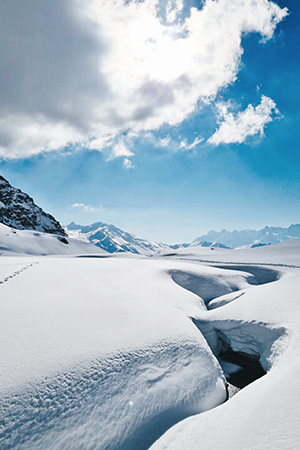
x,y
168,59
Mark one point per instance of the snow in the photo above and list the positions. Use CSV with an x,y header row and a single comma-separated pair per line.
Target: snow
x,y
285,253
99,333
116,353
113,239
264,321
37,243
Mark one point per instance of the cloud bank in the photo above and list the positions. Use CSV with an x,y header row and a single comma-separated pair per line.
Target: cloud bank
x,y
81,72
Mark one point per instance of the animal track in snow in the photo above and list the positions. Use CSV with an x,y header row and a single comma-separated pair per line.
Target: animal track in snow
x,y
13,274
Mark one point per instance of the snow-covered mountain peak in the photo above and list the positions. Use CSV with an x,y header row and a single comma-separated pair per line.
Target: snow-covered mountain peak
x,y
18,210
242,238
113,239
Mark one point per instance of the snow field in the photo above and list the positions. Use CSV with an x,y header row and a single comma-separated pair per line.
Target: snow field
x,y
100,351
109,353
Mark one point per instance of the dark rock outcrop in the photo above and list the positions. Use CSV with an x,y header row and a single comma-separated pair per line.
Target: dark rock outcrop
x,y
18,210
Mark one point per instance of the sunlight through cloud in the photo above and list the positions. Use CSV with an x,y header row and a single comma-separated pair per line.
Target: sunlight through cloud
x,y
116,65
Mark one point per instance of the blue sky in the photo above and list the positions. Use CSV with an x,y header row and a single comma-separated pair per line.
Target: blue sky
x,y
165,118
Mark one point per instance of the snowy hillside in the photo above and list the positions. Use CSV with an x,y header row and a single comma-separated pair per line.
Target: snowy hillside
x,y
19,211
36,243
268,235
113,239
109,353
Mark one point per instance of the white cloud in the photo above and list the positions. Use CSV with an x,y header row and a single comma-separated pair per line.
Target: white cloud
x,y
186,146
83,71
128,164
119,150
78,205
173,9
175,145
24,135
236,128
164,142
87,208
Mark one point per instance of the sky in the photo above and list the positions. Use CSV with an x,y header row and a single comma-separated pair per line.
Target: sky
x,y
166,118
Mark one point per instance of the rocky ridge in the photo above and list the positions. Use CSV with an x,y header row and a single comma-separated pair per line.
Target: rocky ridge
x,y
18,210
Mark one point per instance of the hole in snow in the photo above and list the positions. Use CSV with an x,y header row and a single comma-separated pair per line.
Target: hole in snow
x,y
246,351
240,368
262,275
211,285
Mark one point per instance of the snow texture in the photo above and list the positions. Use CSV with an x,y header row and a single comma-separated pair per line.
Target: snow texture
x,y
116,353
99,353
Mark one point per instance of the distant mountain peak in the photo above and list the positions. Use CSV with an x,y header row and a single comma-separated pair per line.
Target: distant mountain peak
x,y
265,236
113,239
18,210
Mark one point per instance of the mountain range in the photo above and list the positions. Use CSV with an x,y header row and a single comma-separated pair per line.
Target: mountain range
x,y
19,211
266,236
114,240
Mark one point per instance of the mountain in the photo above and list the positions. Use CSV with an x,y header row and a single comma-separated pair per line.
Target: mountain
x,y
268,235
207,244
18,210
114,240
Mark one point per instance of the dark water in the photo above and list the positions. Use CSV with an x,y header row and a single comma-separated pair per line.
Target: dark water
x,y
250,371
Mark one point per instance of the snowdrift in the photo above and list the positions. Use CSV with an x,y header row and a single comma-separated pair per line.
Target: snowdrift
x,y
126,353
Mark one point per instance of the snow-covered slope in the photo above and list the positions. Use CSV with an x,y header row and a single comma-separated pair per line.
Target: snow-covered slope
x,y
36,243
19,211
113,239
268,235
99,353
285,253
265,414
109,353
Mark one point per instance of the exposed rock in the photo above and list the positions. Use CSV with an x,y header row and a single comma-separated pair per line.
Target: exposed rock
x,y
18,210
